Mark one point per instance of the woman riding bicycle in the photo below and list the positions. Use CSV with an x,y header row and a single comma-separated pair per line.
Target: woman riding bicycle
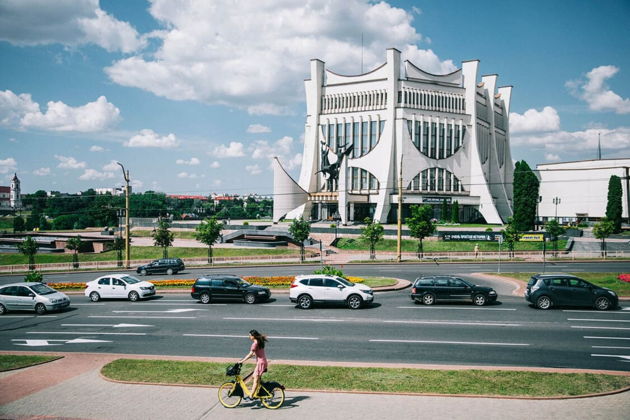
x,y
258,350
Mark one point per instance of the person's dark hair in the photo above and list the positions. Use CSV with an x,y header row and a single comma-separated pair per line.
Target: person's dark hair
x,y
260,339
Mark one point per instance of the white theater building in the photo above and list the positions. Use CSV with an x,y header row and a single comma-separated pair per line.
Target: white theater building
x,y
449,134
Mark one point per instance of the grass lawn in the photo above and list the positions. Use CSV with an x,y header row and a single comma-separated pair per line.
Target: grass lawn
x,y
11,361
409,245
476,382
608,280
144,253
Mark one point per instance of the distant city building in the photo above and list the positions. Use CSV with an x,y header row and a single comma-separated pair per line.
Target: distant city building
x,y
447,136
113,191
5,197
578,191
188,197
11,196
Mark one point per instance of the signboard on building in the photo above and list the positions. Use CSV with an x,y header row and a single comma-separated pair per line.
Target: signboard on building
x,y
532,237
436,200
469,236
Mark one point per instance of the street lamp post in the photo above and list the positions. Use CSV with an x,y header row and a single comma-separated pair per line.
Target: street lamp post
x,y
127,249
400,201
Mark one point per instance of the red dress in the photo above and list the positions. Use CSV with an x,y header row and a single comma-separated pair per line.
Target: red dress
x,y
261,359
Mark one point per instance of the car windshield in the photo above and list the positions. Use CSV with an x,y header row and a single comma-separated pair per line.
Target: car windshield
x,y
130,279
42,289
243,283
345,282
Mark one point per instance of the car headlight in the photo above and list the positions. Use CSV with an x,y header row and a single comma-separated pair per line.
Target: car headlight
x,y
145,288
612,293
492,292
368,292
262,292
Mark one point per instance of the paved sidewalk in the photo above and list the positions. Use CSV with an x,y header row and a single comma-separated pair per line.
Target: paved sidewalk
x,y
72,388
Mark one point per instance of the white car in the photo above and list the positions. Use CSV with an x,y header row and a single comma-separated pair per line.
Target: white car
x,y
120,286
307,289
31,296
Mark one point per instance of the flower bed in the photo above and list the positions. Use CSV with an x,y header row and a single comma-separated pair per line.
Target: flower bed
x,y
624,277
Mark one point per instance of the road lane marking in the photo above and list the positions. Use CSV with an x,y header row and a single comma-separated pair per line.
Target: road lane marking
x,y
610,347
598,320
87,304
141,317
594,337
472,343
269,306
463,309
493,324
244,336
29,316
107,325
601,313
82,333
39,343
285,319
170,311
611,355
598,328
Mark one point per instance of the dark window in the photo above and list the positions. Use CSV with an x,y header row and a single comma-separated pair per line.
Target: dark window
x,y
217,283
456,283
9,291
577,283
316,282
558,282
330,283
118,282
425,282
203,282
441,282
23,291
104,281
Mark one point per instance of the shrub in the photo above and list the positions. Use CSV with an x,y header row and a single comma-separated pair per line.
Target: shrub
x,y
330,271
245,223
624,277
33,276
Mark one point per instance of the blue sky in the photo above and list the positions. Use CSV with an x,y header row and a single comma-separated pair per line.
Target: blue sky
x,y
195,97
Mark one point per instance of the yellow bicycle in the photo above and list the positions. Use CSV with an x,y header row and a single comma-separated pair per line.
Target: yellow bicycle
x,y
270,394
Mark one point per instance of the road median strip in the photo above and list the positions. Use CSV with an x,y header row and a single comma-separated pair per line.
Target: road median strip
x,y
408,381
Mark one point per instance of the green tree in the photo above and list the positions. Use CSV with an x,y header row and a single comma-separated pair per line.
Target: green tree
x,y
372,233
300,229
29,248
603,230
18,224
526,187
420,225
511,236
119,245
74,244
455,212
554,230
614,208
162,236
444,215
208,232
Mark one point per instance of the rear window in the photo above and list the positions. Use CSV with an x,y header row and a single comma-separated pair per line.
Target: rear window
x,y
532,281
424,282
203,282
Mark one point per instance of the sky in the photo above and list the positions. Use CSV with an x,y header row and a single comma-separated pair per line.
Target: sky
x,y
197,96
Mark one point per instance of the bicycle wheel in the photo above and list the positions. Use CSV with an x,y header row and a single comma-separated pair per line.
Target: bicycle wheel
x,y
227,396
271,397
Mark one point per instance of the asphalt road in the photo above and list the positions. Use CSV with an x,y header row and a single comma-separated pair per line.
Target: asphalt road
x,y
509,333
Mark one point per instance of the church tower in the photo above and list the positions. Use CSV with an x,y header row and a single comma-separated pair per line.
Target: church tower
x,y
16,196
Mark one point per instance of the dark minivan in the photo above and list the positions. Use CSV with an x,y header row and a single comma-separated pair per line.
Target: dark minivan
x,y
547,290
230,287
164,265
428,289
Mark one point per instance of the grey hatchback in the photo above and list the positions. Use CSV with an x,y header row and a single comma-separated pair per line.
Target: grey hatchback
x,y
547,290
31,296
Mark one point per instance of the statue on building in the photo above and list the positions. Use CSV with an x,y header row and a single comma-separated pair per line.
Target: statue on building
x,y
332,169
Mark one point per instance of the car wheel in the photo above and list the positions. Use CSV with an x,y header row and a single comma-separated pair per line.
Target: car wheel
x,y
602,303
428,299
354,301
479,299
143,272
250,298
205,298
40,308
3,309
169,271
544,302
305,302
134,296
95,297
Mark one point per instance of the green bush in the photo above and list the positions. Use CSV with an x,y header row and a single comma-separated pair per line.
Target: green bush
x,y
34,276
246,223
330,271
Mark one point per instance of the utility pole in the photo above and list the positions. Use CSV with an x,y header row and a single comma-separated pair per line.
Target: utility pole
x,y
127,249
400,201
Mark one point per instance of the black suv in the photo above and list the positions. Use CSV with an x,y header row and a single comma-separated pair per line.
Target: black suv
x,y
428,289
547,290
226,286
163,265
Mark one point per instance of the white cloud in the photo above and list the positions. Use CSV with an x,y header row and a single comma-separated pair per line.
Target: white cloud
x,y
7,165
215,164
616,140
136,184
535,121
149,138
67,162
235,149
552,157
92,175
255,55
261,149
20,111
42,172
112,166
597,94
192,162
186,175
68,22
253,169
258,128
217,182
97,149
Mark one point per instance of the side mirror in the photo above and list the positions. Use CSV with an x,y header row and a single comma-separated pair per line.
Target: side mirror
x,y
32,295
341,287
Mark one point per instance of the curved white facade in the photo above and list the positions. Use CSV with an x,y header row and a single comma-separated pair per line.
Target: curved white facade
x,y
449,133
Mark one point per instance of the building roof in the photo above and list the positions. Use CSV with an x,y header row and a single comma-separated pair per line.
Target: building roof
x,y
5,189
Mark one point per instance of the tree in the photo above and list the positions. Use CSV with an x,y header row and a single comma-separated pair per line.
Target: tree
x,y
300,229
603,230
118,245
208,232
420,225
614,208
372,233
444,212
455,212
554,230
29,248
162,236
74,244
18,224
511,235
526,187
